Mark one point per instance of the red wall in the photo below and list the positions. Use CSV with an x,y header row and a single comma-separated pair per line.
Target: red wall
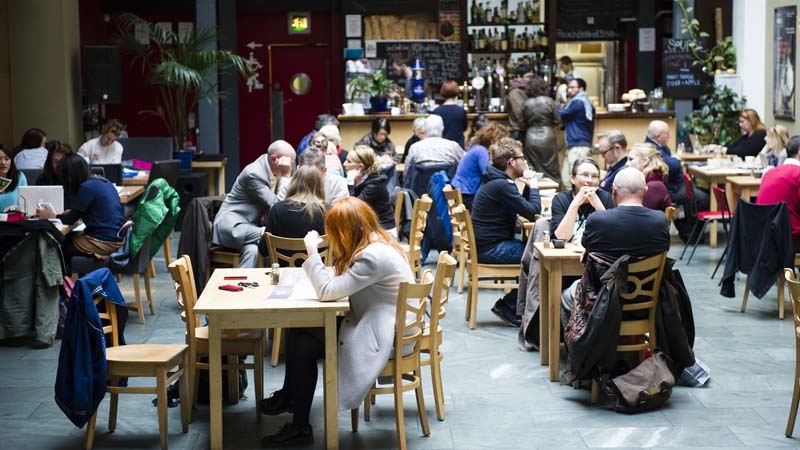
x,y
254,108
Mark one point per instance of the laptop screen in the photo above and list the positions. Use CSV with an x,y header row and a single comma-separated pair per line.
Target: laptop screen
x,y
31,196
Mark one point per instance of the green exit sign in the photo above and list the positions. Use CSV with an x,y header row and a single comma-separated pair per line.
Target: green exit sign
x,y
299,23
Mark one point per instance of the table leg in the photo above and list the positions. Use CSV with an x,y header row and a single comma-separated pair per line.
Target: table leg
x,y
554,347
712,239
331,389
544,313
731,196
215,382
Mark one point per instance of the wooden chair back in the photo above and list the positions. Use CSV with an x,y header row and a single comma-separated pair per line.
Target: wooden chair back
x,y
412,302
794,295
399,203
670,213
109,319
467,234
419,219
445,272
181,271
644,283
279,248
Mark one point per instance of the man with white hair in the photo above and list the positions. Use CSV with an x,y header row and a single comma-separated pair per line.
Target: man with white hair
x,y
335,186
434,149
237,224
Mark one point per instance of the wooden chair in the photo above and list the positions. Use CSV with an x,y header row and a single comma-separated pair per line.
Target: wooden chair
x,y
644,277
479,271
454,199
399,204
411,302
141,360
245,342
794,294
419,219
278,254
779,283
432,336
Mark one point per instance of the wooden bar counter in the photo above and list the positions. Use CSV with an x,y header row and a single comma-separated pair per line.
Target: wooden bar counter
x,y
634,125
353,128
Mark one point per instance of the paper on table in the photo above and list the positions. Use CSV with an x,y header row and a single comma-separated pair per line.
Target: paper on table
x,y
293,285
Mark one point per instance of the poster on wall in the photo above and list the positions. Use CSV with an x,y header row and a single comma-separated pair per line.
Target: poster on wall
x,y
783,103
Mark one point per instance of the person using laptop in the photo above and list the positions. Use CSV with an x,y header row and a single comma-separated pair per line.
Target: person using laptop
x,y
55,152
9,197
104,149
96,203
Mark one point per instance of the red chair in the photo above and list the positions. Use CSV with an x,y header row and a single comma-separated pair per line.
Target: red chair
x,y
723,214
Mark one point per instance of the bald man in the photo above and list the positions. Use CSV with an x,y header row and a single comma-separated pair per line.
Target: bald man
x,y
237,224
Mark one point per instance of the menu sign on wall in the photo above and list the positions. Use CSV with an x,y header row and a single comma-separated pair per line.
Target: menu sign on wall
x,y
682,78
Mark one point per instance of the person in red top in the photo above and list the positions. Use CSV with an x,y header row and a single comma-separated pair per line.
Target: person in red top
x,y
782,184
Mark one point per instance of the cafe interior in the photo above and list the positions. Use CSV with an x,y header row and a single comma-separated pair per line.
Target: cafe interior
x,y
488,383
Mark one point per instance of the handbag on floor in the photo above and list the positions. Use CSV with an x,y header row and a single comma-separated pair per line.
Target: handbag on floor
x,y
648,386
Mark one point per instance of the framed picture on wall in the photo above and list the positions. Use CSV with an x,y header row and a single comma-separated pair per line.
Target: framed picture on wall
x,y
783,102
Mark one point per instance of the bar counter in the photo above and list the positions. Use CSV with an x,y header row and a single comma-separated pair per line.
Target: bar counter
x,y
353,128
634,125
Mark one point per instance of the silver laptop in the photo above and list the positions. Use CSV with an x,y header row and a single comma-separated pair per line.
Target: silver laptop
x,y
31,196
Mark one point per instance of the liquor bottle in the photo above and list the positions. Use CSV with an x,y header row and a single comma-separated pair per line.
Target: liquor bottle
x,y
504,42
513,17
504,11
496,15
520,13
535,16
479,16
487,18
543,39
481,40
473,12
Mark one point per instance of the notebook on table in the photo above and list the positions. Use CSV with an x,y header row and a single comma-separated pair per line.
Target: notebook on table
x,y
31,196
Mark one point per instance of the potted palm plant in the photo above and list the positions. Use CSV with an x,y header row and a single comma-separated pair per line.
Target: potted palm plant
x,y
179,68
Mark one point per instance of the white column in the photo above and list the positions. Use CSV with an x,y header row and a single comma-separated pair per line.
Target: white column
x,y
753,61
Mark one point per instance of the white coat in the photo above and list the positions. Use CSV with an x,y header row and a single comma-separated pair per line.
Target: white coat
x,y
367,332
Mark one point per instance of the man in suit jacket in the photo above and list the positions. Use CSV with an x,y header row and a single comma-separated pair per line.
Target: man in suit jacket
x,y
237,225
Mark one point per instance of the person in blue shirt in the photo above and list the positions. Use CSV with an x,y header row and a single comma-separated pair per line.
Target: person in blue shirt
x,y
96,203
472,166
10,196
578,120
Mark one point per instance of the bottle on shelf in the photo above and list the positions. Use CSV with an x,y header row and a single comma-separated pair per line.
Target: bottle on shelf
x,y
487,18
473,12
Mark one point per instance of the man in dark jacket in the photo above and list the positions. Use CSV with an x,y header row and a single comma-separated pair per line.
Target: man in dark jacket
x,y
515,99
614,149
494,214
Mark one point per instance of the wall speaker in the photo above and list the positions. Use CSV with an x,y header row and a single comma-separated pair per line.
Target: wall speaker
x,y
102,73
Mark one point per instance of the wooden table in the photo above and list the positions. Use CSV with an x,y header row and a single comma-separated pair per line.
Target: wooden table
x,y
693,157
744,186
714,177
129,193
216,171
251,308
139,180
554,263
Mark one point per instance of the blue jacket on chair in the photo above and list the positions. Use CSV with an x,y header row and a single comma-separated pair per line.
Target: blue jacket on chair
x,y
81,376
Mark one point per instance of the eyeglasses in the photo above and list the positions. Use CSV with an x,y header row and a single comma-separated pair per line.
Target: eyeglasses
x,y
589,176
604,151
518,157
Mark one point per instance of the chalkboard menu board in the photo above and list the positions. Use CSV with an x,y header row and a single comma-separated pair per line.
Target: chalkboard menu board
x,y
442,60
585,20
682,78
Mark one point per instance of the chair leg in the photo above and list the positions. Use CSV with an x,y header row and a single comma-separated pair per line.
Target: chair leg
x,y
368,401
780,296
277,334
93,421
183,392
697,241
152,268
147,291
436,379
423,414
161,395
168,250
744,297
721,258
473,303
138,295
354,419
191,382
258,373
595,391
688,243
793,408
399,413
113,405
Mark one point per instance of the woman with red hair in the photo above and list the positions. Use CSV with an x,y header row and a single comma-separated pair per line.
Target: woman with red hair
x,y
368,267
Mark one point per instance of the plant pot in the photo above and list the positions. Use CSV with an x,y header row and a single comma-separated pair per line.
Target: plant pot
x,y
379,104
353,109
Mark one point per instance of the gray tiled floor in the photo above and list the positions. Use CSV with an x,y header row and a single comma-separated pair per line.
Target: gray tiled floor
x,y
497,397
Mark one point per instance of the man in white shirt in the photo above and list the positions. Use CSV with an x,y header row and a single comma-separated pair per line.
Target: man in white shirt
x,y
434,148
104,149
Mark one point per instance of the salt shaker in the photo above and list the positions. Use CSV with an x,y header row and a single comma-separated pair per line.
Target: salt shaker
x,y
546,238
276,274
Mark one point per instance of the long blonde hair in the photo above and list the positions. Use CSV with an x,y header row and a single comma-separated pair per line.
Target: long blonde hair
x,y
351,225
649,153
307,191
